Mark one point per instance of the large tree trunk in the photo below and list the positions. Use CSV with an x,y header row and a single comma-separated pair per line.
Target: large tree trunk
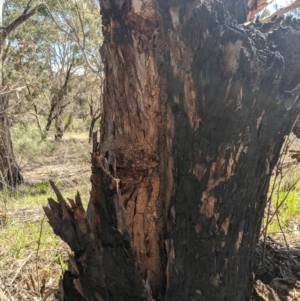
x,y
195,111
9,170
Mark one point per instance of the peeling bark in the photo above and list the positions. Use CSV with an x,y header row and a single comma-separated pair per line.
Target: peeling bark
x,y
195,111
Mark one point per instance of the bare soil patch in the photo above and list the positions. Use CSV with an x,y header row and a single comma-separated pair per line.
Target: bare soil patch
x,y
68,163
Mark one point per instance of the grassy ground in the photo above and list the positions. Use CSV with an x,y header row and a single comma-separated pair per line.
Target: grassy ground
x,y
31,256
284,194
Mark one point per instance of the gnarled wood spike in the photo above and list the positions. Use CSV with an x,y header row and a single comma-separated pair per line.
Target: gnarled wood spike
x,y
104,261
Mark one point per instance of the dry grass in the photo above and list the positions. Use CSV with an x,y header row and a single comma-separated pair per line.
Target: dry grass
x,y
32,258
31,261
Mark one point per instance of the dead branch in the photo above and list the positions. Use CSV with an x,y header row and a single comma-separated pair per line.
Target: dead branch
x,y
281,11
256,6
99,239
22,18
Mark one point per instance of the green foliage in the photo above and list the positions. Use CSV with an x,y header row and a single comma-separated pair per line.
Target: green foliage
x,y
23,236
28,143
291,206
288,211
79,125
51,53
265,13
41,188
285,202
25,230
27,236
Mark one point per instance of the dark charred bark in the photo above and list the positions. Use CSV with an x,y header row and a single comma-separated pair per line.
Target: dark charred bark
x,y
296,128
195,111
104,262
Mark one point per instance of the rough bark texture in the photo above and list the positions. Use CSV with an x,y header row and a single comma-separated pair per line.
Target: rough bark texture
x,y
103,266
9,170
195,111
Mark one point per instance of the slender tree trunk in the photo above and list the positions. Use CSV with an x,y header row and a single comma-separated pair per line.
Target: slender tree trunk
x,y
91,128
69,122
195,111
57,105
9,170
60,126
51,115
38,123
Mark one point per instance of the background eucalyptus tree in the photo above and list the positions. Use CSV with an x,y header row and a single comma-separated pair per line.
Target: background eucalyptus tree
x,y
12,15
58,65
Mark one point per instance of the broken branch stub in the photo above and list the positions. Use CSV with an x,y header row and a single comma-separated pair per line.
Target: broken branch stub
x,y
104,261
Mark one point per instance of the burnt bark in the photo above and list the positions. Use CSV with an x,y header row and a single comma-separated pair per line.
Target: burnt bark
x,y
104,266
195,111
